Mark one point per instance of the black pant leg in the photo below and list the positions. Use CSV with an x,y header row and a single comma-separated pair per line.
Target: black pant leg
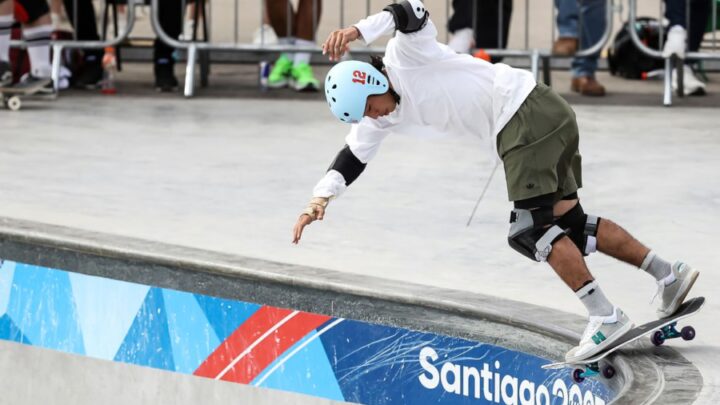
x,y
462,15
700,11
85,26
170,15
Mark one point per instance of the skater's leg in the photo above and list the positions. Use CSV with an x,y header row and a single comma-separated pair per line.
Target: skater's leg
x,y
674,279
607,323
616,242
568,263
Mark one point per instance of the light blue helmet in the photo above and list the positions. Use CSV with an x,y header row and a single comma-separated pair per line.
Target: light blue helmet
x,y
348,85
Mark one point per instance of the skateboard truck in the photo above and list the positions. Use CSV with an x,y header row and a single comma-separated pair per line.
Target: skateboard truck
x,y
670,332
592,370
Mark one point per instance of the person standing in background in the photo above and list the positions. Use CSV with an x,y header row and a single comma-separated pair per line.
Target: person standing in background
x,y
581,21
293,69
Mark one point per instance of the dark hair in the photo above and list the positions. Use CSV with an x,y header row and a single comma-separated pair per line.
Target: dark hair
x,y
378,64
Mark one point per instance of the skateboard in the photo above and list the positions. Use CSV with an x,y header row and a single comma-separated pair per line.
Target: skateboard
x,y
659,330
11,96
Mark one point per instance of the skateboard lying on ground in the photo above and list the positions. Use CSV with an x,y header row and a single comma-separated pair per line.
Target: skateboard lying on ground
x,y
11,96
659,331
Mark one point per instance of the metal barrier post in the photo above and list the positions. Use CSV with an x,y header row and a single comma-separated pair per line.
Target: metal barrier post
x,y
667,92
534,62
190,71
56,61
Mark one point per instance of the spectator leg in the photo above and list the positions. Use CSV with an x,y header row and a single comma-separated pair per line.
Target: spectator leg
x,y
567,18
593,27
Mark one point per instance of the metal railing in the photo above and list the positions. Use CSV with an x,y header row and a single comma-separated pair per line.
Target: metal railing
x,y
535,55
670,62
59,45
544,56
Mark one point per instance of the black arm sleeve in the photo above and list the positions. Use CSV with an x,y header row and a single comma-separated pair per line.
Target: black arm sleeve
x,y
348,165
405,19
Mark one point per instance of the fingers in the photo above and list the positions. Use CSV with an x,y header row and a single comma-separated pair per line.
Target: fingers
x,y
336,45
302,222
320,213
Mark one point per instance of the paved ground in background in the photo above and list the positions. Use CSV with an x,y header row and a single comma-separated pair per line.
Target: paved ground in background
x,y
231,174
242,81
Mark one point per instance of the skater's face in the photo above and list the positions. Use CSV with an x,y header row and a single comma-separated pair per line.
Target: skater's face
x,y
380,105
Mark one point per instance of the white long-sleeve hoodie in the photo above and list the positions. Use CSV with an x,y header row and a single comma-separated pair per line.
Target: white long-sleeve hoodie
x,y
441,92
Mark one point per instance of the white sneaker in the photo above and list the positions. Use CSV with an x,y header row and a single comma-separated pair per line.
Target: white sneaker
x,y
692,86
675,43
462,41
673,294
600,333
265,34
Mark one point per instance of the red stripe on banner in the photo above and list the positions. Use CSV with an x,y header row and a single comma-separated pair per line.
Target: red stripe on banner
x,y
273,346
247,333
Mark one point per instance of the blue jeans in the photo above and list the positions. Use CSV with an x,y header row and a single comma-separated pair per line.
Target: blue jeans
x,y
593,26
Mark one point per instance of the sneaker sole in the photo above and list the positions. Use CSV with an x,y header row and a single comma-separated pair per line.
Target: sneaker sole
x,y
307,89
687,285
278,85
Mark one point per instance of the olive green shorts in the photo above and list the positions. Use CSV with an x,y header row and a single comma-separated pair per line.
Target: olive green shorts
x,y
539,148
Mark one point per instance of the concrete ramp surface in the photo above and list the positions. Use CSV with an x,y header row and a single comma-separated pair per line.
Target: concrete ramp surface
x,y
141,322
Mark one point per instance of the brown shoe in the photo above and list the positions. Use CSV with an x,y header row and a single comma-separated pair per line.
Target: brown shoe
x,y
587,86
565,46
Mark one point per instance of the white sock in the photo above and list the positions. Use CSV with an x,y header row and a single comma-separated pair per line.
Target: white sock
x,y
286,41
594,300
6,22
302,57
658,268
38,39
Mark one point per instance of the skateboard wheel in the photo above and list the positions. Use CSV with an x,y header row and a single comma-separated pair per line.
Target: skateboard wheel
x,y
13,103
577,375
687,333
608,372
658,338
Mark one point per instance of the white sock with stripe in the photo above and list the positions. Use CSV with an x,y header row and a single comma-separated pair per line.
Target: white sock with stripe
x,y
594,300
38,39
6,22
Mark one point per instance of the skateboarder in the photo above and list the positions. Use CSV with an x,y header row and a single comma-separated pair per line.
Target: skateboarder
x,y
422,85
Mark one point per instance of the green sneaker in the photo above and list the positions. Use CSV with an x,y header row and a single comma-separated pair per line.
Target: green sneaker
x,y
303,78
280,74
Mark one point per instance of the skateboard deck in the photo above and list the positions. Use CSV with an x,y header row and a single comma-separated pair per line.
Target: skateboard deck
x,y
10,95
14,90
661,329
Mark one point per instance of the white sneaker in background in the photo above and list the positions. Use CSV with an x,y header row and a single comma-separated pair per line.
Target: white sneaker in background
x,y
265,34
692,86
675,43
188,28
462,41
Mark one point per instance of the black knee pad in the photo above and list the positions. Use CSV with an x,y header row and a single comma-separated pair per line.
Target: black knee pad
x,y
533,233
581,228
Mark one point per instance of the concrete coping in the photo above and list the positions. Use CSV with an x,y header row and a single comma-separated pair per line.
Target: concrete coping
x,y
645,373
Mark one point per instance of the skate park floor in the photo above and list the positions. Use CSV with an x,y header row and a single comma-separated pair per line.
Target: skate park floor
x,y
231,169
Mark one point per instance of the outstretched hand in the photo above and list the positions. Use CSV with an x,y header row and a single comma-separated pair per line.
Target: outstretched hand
x,y
305,220
338,42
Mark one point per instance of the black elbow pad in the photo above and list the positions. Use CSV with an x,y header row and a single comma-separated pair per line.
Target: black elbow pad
x,y
409,15
348,165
